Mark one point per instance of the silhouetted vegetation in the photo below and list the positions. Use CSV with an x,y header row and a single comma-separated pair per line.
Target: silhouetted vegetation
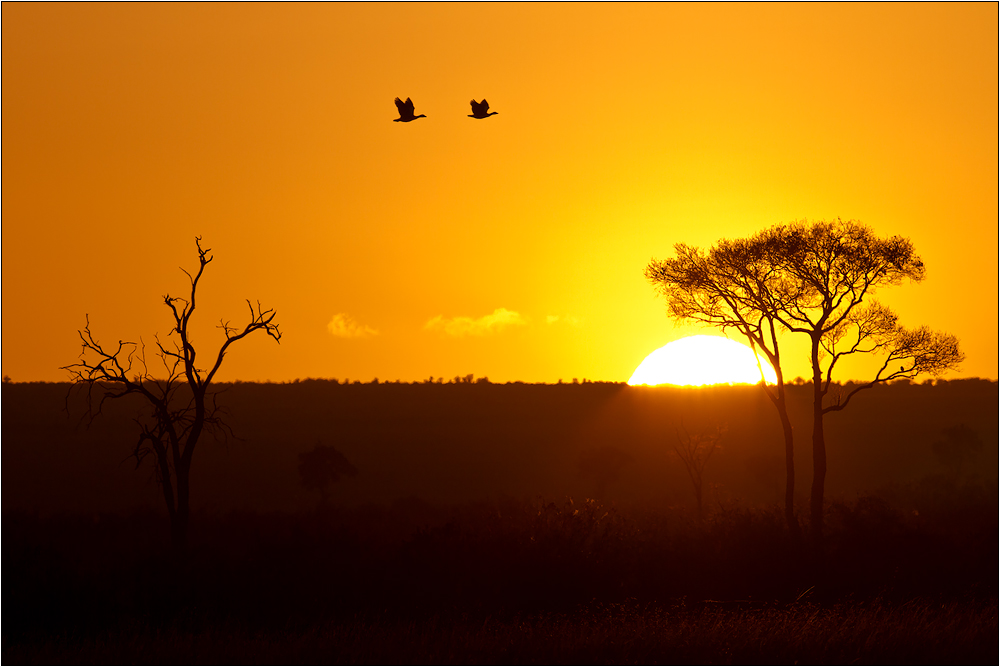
x,y
694,451
817,279
179,407
339,579
958,448
471,534
473,441
602,466
323,466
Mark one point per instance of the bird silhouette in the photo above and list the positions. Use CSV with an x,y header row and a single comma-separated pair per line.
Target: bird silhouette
x,y
480,109
405,111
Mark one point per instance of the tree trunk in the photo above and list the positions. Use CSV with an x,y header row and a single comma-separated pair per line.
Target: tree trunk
x,y
781,405
178,532
818,454
819,478
178,528
179,519
786,427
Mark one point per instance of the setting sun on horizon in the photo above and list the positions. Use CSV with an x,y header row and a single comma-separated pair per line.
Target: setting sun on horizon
x,y
703,360
510,246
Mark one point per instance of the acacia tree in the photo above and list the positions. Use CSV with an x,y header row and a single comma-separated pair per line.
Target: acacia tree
x,y
730,287
827,270
816,279
179,406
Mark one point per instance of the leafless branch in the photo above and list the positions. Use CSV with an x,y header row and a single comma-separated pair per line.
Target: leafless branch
x,y
176,418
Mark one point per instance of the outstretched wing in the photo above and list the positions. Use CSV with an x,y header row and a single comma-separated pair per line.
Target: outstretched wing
x,y
484,106
400,105
408,106
475,107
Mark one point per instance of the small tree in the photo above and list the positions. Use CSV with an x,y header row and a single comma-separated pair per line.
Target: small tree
x,y
180,406
321,467
958,447
694,452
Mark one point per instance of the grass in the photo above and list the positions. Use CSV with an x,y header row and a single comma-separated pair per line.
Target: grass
x,y
507,582
879,632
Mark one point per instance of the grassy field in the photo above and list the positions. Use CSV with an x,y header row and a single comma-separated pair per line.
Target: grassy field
x,y
877,631
509,582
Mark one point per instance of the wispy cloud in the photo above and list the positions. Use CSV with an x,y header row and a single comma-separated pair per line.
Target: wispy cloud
x,y
499,319
571,320
344,326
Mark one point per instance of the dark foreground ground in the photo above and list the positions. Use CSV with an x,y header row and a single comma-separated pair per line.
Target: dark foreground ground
x,y
512,582
874,632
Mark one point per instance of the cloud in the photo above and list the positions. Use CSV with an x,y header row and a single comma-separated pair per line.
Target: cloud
x,y
344,326
495,322
571,320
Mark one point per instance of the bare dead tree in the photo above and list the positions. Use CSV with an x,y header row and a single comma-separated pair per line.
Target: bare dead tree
x,y
180,407
694,451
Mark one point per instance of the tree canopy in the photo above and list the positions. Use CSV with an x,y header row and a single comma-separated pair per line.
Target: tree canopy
x,y
813,278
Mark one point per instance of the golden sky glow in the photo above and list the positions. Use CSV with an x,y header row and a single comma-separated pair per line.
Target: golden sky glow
x,y
511,247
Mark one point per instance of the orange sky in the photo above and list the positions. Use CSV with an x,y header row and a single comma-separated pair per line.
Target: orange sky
x,y
623,129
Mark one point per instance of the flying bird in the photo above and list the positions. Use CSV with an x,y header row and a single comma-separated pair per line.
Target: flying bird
x,y
480,109
405,111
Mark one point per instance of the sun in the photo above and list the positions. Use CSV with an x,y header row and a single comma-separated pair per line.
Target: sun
x,y
699,360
